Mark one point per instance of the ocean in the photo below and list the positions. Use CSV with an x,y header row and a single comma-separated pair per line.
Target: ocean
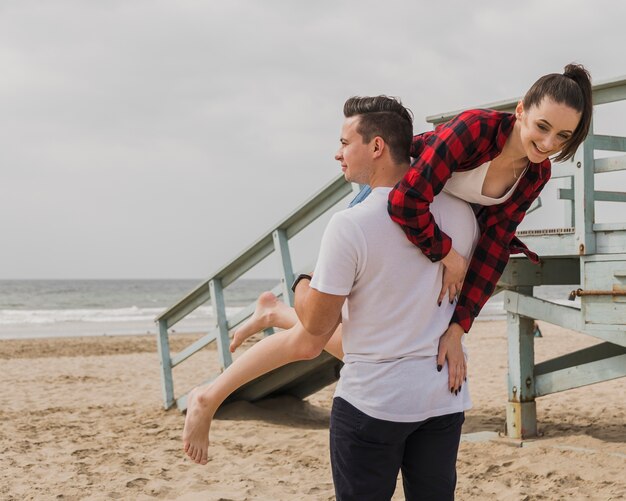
x,y
60,308
52,308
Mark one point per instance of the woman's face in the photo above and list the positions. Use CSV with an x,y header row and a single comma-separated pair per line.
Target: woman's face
x,y
545,128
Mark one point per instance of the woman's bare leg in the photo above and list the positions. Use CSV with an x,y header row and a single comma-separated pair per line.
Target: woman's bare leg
x,y
269,312
271,352
334,345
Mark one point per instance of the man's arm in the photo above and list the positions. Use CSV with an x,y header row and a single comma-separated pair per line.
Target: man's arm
x,y
319,313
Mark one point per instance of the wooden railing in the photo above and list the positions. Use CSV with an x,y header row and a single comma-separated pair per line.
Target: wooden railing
x,y
275,240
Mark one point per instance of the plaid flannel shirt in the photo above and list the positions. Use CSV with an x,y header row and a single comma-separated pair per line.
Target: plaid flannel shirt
x,y
464,143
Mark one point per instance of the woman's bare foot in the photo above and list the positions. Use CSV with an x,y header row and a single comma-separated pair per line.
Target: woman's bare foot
x,y
269,312
200,411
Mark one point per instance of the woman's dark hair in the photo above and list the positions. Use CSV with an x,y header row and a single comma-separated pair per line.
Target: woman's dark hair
x,y
385,117
572,88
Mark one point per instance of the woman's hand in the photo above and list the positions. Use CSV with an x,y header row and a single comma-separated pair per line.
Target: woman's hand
x,y
454,269
450,349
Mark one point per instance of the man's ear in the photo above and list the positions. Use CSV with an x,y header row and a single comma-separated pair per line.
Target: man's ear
x,y
379,146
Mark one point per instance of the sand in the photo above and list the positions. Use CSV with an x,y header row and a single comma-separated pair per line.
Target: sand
x,y
82,419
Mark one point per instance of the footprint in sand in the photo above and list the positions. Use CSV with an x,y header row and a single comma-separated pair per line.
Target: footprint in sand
x,y
84,453
137,482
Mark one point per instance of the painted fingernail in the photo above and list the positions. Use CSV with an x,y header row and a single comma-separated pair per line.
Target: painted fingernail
x,y
451,390
461,386
439,367
464,379
456,392
439,303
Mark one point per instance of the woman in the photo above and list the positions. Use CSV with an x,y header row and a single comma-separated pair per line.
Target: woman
x,y
498,161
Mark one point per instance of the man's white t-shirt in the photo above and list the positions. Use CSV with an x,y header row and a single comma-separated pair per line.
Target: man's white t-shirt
x,y
391,321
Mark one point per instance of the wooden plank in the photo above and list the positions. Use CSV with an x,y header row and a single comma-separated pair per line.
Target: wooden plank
x,y
521,355
612,164
314,381
603,92
609,143
551,271
521,414
580,357
584,207
555,245
167,383
219,313
612,333
281,247
186,305
194,347
280,378
581,375
604,275
610,239
611,227
565,316
540,309
604,310
608,94
598,196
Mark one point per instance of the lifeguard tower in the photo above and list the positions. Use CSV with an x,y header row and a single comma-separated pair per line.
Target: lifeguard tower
x,y
589,257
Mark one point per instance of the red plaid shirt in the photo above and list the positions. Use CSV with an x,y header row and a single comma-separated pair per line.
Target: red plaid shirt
x,y
464,143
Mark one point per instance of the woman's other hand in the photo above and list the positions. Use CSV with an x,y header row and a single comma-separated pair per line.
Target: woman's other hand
x,y
454,269
451,349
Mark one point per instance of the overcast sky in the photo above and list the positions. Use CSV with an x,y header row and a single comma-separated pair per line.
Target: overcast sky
x,y
154,139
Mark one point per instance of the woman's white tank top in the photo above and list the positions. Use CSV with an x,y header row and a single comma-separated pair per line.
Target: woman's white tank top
x,y
468,186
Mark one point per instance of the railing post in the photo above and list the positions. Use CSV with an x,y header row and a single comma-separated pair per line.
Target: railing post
x,y
521,413
167,383
219,312
281,246
584,207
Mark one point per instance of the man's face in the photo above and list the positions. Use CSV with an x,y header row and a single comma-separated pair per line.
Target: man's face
x,y
354,155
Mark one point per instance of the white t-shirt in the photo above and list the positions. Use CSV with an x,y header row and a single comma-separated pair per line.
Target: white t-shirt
x,y
391,321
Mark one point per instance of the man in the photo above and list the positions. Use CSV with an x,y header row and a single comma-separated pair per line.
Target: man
x,y
392,409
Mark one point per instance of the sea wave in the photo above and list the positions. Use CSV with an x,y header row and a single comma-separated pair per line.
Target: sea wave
x,y
129,314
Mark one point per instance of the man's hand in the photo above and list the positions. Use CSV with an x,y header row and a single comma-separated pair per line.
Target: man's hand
x,y
454,269
450,349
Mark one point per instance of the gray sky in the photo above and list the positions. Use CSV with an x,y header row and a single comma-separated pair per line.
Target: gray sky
x,y
153,139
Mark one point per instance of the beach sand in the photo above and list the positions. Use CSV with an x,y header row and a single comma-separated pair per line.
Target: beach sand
x,y
82,419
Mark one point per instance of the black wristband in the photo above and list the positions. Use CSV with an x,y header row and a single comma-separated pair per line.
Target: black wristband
x,y
297,280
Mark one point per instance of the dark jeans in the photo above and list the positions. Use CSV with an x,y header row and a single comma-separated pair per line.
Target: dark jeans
x,y
367,453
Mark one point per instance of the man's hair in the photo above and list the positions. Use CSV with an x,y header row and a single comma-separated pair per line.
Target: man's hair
x,y
385,117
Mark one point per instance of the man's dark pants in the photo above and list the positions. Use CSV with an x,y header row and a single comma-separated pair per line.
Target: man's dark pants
x,y
367,454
